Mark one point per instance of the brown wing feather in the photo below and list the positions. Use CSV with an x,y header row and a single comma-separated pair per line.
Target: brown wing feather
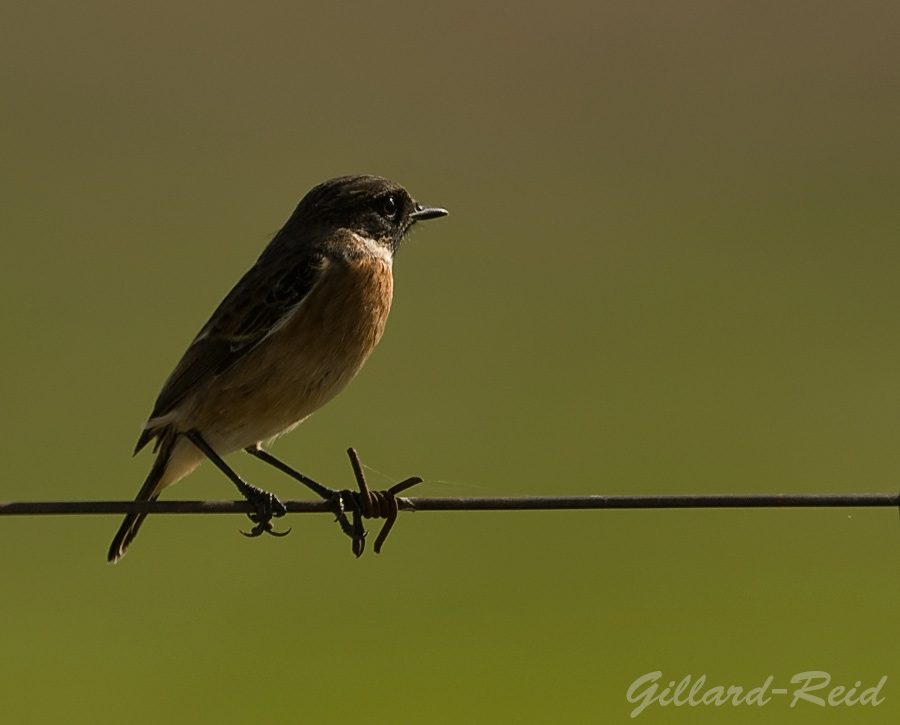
x,y
263,298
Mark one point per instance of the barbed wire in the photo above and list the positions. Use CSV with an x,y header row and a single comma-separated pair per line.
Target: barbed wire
x,y
371,504
386,505
486,503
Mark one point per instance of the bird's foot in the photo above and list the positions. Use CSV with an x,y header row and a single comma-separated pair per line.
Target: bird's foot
x,y
267,507
349,500
266,504
350,507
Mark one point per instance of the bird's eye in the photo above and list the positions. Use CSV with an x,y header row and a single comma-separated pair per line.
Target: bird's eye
x,y
389,208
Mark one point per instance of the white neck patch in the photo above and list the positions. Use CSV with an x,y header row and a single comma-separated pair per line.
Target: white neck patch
x,y
378,251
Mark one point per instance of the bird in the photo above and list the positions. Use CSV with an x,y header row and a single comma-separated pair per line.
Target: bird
x,y
290,335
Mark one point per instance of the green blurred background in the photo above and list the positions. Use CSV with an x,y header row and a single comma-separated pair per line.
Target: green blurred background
x,y
671,266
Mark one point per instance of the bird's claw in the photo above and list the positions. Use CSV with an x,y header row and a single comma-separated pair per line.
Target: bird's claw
x,y
267,507
356,531
262,527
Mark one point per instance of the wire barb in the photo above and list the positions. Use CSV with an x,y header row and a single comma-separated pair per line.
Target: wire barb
x,y
375,504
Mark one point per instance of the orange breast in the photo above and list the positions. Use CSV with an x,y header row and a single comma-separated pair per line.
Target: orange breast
x,y
310,359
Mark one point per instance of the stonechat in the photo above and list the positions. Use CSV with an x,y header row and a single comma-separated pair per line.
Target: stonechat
x,y
290,336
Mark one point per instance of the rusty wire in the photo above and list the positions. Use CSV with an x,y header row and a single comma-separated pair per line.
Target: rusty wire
x,y
477,503
386,504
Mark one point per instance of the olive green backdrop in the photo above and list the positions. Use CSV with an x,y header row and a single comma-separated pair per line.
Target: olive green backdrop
x,y
671,266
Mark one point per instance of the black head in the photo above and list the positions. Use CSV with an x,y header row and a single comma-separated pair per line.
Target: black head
x,y
366,205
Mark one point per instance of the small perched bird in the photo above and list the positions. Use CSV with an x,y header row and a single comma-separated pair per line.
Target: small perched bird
x,y
292,333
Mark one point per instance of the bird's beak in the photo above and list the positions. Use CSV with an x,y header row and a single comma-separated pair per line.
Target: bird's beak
x,y
427,212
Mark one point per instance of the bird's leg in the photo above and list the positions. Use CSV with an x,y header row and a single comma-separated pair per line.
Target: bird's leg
x,y
342,500
267,504
314,486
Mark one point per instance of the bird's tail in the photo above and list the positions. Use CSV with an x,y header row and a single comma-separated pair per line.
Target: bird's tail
x,y
149,492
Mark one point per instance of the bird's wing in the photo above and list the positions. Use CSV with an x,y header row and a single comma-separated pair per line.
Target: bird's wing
x,y
259,303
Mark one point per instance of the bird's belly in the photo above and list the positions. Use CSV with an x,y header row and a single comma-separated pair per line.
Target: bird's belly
x,y
306,362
